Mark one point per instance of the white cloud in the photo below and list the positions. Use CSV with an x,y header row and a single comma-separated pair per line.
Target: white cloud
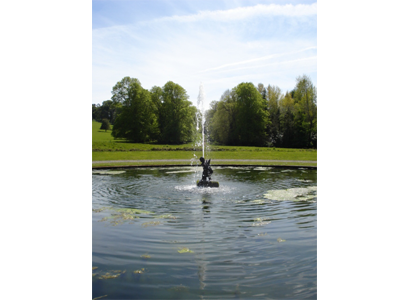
x,y
254,60
265,50
241,13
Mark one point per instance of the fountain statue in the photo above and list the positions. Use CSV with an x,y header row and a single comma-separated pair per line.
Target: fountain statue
x,y
207,170
206,174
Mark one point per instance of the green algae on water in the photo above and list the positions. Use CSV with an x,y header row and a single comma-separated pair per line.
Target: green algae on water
x,y
139,271
259,201
134,211
146,256
185,250
112,274
109,276
166,216
97,210
152,223
121,215
293,194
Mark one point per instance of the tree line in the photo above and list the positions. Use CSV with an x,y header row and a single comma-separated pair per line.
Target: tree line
x,y
162,115
246,115
249,115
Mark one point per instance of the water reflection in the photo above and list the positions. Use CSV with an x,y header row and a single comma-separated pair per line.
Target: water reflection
x,y
243,244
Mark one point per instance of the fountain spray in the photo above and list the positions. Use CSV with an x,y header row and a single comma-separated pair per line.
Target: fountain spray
x,y
200,104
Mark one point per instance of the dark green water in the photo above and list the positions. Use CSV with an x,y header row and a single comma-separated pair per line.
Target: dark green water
x,y
255,237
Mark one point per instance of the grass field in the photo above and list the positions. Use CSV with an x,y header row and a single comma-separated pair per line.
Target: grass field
x,y
104,147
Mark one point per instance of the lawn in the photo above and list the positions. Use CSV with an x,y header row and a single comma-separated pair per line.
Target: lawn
x,y
104,147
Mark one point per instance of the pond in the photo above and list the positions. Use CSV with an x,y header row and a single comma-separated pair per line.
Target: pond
x,y
158,236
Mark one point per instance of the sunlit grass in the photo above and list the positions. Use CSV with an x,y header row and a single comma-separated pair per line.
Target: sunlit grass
x,y
144,155
106,148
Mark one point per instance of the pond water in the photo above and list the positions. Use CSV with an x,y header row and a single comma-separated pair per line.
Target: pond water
x,y
158,236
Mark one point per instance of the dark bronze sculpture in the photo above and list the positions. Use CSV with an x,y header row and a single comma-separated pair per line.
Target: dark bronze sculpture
x,y
206,174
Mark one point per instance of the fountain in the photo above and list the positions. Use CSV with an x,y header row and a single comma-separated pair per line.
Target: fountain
x,y
205,164
200,103
207,171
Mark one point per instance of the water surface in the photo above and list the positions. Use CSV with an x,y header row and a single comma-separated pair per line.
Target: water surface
x,y
158,236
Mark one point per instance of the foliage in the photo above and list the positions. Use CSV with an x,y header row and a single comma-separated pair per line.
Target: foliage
x,y
252,117
305,99
245,115
249,115
137,121
176,114
108,110
223,119
240,117
105,125
120,91
274,132
209,114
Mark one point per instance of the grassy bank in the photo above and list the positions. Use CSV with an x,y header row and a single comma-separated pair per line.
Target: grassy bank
x,y
106,148
170,163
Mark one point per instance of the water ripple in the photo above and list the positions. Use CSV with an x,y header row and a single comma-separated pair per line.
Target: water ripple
x,y
241,245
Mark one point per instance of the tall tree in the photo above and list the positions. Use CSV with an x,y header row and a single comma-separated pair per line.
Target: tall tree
x,y
209,115
252,117
262,90
223,120
176,115
108,109
274,96
157,100
287,111
120,91
306,117
96,110
137,121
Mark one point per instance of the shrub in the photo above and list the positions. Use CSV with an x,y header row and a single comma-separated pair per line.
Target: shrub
x,y
105,125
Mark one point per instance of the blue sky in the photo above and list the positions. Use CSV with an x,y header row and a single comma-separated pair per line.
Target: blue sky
x,y
218,43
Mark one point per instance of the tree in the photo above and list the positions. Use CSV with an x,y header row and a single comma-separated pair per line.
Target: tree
x,y
96,111
157,100
274,96
222,125
262,90
137,121
120,92
105,125
287,111
176,114
209,115
306,117
109,110
252,117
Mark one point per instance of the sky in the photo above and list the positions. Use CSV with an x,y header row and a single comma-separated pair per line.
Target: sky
x,y
217,43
